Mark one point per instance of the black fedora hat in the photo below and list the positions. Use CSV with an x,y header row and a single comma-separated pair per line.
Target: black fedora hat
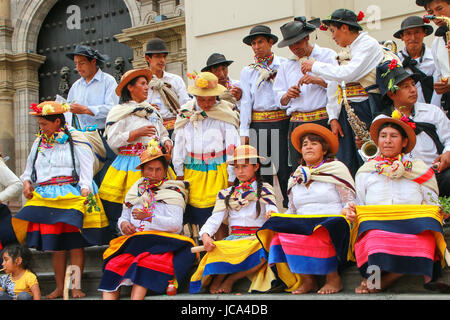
x,y
413,22
344,16
82,50
423,3
389,75
216,59
259,30
296,30
156,45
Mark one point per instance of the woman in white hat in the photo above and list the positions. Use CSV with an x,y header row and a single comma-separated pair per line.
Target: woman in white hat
x,y
243,207
204,130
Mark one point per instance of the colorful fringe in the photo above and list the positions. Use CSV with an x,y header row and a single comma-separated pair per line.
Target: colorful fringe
x,y
231,256
149,259
304,244
406,239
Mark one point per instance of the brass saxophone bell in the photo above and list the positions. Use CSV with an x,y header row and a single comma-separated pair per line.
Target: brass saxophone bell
x,y
370,150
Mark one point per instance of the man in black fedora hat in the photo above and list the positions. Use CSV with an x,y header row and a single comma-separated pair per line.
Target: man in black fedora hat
x,y
92,97
440,8
358,71
166,90
429,122
264,123
218,65
304,96
416,57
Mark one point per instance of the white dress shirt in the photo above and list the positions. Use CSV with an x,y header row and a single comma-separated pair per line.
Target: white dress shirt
x,y
119,132
440,56
206,136
98,95
425,149
246,217
10,182
319,198
57,162
167,218
427,65
378,189
312,96
178,86
254,99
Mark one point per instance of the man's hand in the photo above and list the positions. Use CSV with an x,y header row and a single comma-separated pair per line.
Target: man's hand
x,y
236,92
292,93
442,162
28,190
80,109
127,228
336,128
309,79
169,146
307,66
441,87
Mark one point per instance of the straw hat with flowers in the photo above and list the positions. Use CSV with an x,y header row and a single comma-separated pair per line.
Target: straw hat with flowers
x,y
152,152
48,108
206,85
244,152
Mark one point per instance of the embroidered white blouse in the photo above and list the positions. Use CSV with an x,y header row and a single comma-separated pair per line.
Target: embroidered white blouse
x,y
57,162
312,96
204,137
11,183
119,132
167,218
246,217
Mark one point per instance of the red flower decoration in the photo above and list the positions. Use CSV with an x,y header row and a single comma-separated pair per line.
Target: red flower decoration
x,y
34,107
393,64
360,16
425,19
408,122
323,27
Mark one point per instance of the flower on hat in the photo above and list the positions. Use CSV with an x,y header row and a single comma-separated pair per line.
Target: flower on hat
x,y
46,109
396,115
360,16
34,107
192,75
153,147
393,64
201,83
408,122
323,27
65,106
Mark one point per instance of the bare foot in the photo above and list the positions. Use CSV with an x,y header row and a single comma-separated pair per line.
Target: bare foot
x,y
214,288
227,285
333,284
57,293
309,284
362,289
77,294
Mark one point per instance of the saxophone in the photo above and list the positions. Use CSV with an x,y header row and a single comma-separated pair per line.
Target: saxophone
x,y
369,150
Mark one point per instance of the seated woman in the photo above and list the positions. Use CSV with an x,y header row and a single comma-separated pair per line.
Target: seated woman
x,y
151,252
57,183
129,128
312,238
395,226
244,206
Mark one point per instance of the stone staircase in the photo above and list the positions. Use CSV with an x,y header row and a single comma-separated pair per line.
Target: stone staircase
x,y
409,287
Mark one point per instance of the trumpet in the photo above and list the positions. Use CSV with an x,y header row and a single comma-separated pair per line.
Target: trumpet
x,y
369,149
391,45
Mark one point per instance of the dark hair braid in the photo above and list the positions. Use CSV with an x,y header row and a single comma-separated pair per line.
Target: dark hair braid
x,y
227,198
259,186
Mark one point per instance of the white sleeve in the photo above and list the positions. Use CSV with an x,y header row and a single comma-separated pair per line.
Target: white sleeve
x,y
246,104
280,87
125,216
118,134
26,176
360,183
179,153
13,185
333,107
86,160
168,218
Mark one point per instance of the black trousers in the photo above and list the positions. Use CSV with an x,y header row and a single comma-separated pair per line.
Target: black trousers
x,y
271,141
443,180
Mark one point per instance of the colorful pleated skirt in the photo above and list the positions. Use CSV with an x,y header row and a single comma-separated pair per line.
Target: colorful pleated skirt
x,y
232,256
304,244
59,220
119,178
149,259
206,178
404,239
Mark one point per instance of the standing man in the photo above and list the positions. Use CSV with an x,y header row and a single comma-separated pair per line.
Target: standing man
x,y
359,74
440,8
217,64
92,97
264,123
416,57
166,90
304,96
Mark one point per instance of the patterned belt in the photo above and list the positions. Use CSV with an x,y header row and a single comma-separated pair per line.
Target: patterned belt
x,y
319,114
207,156
58,181
243,231
269,116
353,90
169,123
132,149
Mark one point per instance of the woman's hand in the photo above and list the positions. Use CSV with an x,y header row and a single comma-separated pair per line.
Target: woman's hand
x,y
269,214
85,192
127,228
208,242
138,214
350,212
145,131
28,190
169,146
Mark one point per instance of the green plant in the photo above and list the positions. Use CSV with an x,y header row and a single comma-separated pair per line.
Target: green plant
x,y
443,203
91,203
